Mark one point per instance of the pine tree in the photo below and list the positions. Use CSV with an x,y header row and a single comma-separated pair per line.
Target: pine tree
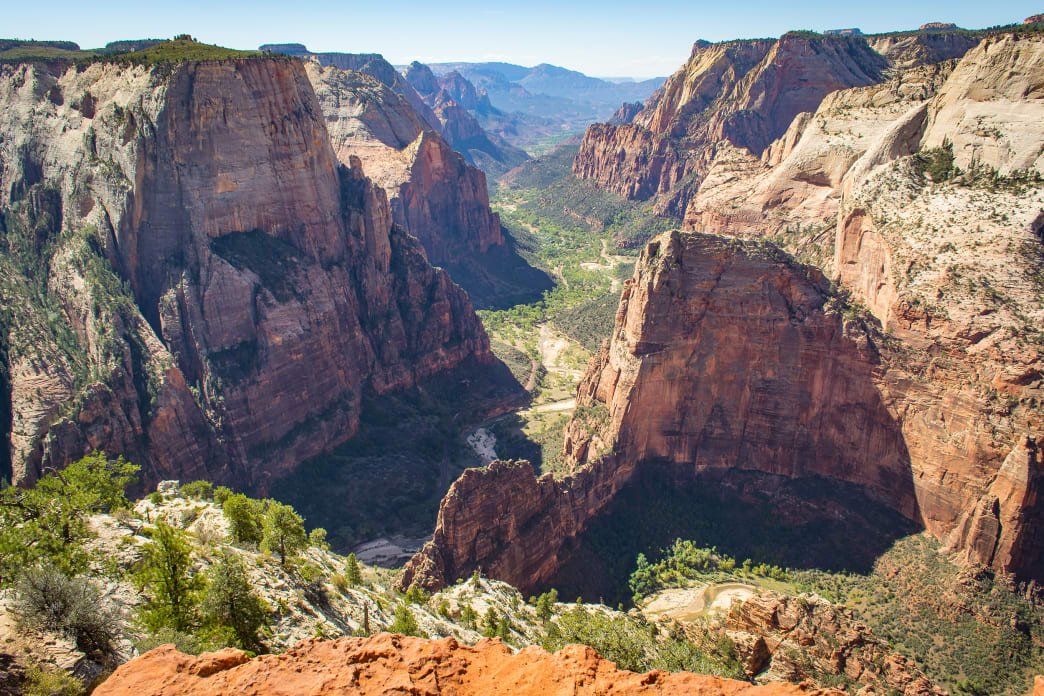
x,y
165,577
230,602
405,622
283,531
352,572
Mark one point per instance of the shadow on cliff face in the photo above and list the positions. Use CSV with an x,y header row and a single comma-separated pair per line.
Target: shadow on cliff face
x,y
500,278
6,470
410,447
798,523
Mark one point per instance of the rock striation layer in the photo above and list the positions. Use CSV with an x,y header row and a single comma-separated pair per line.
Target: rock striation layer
x,y
459,105
389,663
742,94
433,193
730,356
184,245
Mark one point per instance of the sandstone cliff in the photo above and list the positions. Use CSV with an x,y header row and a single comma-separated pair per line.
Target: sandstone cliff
x,y
729,356
433,192
458,106
185,245
390,663
792,193
826,396
738,93
933,44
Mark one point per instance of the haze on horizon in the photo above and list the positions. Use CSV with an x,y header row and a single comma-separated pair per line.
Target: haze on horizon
x,y
598,38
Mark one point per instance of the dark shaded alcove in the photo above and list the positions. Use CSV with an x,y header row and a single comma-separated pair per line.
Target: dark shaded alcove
x,y
807,522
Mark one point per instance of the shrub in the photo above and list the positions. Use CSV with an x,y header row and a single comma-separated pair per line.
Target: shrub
x,y
47,599
416,595
469,617
317,539
937,162
200,490
184,641
221,494
47,683
209,535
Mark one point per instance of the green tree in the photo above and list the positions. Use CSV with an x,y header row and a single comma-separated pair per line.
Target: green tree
x,y
49,521
317,539
201,490
352,572
283,531
405,622
545,605
415,595
165,576
469,617
244,517
490,623
229,601
642,580
503,629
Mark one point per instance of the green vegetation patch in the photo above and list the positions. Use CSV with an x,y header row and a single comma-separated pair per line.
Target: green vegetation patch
x,y
969,630
545,191
181,50
635,645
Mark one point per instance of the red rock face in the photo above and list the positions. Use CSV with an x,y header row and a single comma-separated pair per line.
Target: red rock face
x,y
728,355
434,194
387,664
456,102
509,523
445,203
272,285
744,93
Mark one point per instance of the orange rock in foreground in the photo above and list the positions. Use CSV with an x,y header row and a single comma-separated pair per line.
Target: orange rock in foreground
x,y
396,664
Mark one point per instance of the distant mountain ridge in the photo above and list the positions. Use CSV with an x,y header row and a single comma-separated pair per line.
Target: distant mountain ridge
x,y
547,101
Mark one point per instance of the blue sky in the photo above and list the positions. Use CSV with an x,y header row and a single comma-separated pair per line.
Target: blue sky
x,y
599,38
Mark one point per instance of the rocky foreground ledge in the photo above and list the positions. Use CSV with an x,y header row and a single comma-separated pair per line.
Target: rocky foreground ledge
x,y
387,663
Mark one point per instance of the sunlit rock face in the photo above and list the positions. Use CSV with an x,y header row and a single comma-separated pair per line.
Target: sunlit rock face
x,y
229,286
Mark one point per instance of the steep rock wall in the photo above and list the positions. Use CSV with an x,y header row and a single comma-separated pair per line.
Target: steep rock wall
x,y
728,355
742,94
253,261
433,192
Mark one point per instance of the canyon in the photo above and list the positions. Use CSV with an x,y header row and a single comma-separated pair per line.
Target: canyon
x,y
267,271
915,375
183,242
